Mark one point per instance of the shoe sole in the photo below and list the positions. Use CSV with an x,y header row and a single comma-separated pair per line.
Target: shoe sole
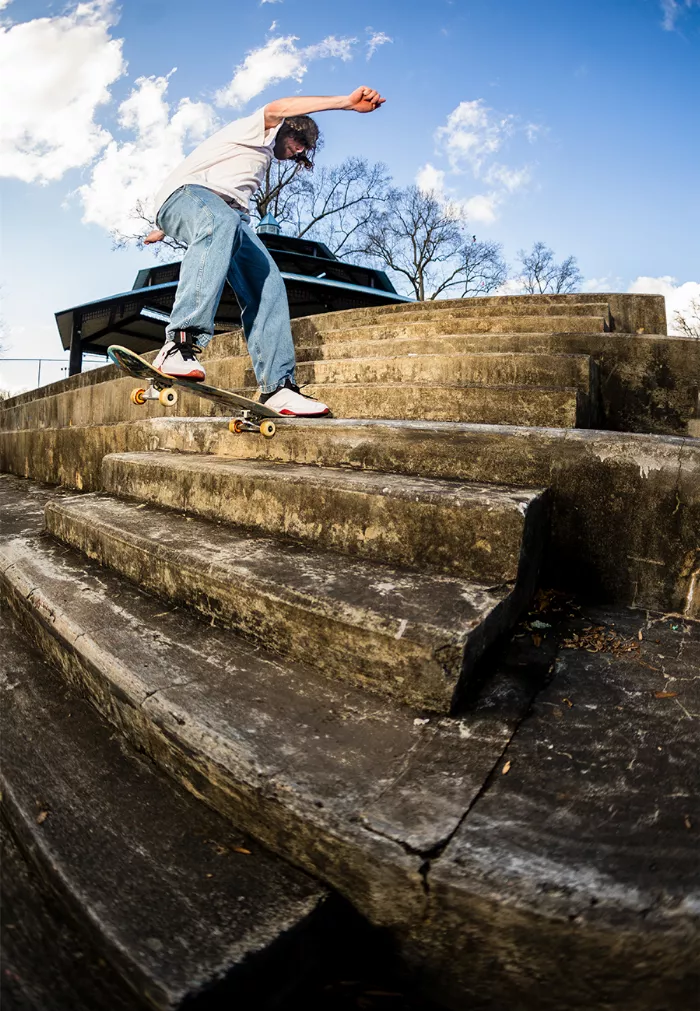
x,y
195,377
316,414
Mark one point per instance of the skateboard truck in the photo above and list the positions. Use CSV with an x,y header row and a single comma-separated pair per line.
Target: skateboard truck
x,y
248,421
165,395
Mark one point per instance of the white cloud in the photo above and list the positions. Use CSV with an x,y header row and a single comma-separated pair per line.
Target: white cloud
x,y
672,11
278,60
470,139
678,296
479,209
270,2
473,133
132,171
513,286
375,40
4,4
58,71
330,46
431,180
509,179
593,284
482,208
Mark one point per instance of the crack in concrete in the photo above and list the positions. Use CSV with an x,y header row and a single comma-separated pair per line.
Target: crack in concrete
x,y
165,688
439,848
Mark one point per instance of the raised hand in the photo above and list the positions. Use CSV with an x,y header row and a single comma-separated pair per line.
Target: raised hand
x,y
155,236
365,100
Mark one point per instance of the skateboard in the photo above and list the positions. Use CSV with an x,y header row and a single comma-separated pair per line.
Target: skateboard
x,y
252,416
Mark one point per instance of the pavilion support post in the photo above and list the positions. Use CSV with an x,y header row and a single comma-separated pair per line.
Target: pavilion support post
x,y
75,361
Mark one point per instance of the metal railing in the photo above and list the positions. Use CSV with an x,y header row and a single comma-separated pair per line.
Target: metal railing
x,y
40,361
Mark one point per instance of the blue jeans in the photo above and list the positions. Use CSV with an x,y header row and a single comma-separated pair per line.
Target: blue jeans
x,y
221,246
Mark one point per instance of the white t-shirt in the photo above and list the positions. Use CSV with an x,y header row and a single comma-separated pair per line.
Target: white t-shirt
x,y
231,162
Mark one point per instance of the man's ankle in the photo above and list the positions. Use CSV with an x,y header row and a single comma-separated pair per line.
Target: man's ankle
x,y
286,383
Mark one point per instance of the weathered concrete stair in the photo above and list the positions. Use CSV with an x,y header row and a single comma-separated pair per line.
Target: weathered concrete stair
x,y
495,369
440,398
311,329
545,407
412,340
342,783
623,312
464,529
411,637
170,895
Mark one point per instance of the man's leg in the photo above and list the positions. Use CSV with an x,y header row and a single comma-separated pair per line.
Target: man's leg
x,y
261,294
209,228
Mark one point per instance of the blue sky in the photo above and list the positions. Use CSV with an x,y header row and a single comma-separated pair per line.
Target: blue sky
x,y
574,123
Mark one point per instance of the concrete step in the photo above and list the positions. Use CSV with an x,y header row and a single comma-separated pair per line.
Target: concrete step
x,y
495,369
629,313
317,328
349,787
171,897
415,638
417,342
625,507
417,822
547,407
471,530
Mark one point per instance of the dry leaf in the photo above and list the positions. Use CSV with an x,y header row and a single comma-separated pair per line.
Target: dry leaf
x,y
537,639
665,695
240,849
639,635
687,822
568,702
505,768
41,818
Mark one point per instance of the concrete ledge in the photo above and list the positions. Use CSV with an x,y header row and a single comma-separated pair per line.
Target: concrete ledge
x,y
490,369
411,637
601,776
466,529
648,383
629,313
497,405
478,839
625,508
327,328
341,783
170,894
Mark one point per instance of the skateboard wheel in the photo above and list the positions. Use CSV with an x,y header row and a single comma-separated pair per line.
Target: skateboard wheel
x,y
235,426
167,397
137,397
267,428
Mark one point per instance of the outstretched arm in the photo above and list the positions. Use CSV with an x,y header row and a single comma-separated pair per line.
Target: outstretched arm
x,y
361,100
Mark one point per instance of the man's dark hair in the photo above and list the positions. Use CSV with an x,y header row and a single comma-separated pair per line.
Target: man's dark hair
x,y
303,128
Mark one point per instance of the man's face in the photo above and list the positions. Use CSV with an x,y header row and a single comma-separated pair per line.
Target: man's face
x,y
287,147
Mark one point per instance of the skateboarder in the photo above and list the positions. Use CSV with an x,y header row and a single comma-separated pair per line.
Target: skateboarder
x,y
204,204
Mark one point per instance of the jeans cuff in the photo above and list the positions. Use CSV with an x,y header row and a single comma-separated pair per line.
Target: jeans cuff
x,y
275,386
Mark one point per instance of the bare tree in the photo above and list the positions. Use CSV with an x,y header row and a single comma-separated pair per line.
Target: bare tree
x,y
688,323
419,239
542,275
337,205
483,268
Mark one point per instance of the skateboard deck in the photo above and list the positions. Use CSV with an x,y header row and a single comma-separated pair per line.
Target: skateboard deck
x,y
251,416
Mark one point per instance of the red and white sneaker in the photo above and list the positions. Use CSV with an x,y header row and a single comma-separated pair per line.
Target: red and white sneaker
x,y
288,400
178,358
